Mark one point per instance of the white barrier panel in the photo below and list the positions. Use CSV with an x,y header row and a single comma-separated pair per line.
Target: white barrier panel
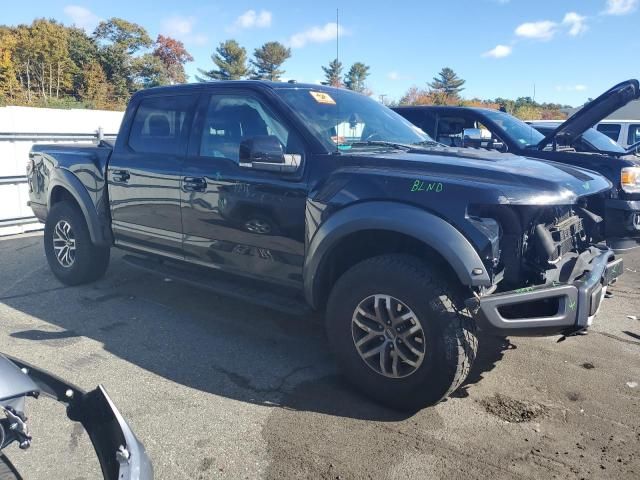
x,y
22,127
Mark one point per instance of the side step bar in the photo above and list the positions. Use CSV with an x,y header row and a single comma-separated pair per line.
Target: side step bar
x,y
226,285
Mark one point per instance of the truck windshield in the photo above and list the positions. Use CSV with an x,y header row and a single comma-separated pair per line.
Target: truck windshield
x,y
344,120
519,132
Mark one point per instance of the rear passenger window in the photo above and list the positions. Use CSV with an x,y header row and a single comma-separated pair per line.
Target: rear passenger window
x,y
611,130
161,125
634,134
422,119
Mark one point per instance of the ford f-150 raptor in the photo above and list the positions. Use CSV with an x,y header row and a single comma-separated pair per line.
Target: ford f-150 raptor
x,y
296,196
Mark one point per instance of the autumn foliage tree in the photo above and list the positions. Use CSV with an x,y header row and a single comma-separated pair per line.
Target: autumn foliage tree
x,y
173,56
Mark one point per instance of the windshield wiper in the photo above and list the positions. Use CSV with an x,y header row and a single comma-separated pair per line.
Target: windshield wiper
x,y
428,143
380,143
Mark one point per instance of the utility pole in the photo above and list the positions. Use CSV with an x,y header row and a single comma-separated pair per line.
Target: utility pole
x,y
382,97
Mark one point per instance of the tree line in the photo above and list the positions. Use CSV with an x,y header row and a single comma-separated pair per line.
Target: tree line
x,y
49,64
446,89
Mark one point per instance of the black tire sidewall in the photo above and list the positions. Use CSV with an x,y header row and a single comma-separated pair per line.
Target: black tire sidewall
x,y
89,260
397,278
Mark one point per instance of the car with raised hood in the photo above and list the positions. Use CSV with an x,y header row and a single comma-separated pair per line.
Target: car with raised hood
x,y
308,198
121,455
573,142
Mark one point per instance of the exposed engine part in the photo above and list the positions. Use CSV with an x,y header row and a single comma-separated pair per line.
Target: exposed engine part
x,y
15,428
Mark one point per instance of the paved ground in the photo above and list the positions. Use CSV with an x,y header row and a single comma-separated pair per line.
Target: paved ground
x,y
219,389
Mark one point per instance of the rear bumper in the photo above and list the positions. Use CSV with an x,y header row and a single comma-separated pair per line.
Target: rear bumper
x,y
574,305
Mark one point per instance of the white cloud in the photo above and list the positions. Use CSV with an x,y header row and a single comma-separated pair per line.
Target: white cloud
x,y
543,30
178,26
316,34
393,76
181,28
500,51
253,19
620,7
571,88
577,23
82,17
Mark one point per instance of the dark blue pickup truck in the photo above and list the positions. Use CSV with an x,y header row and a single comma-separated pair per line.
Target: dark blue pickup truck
x,y
304,197
573,142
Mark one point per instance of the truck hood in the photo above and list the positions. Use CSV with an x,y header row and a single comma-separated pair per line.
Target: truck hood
x,y
515,179
595,111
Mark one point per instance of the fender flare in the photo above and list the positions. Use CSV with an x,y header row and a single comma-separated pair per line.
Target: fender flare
x,y
67,180
396,217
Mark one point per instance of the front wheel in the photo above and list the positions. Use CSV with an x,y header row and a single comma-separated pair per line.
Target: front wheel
x,y
71,254
400,331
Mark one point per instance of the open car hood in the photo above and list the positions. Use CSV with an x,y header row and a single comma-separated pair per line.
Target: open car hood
x,y
594,111
120,453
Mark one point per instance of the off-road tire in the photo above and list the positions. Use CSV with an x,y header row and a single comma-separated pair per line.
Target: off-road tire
x,y
437,300
90,262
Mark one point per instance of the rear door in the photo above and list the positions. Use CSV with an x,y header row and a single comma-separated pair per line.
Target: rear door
x,y
144,174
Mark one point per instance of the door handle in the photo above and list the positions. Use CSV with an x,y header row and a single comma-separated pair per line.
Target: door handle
x,y
194,184
120,176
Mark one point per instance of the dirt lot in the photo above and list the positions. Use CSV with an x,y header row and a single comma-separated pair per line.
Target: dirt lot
x,y
219,389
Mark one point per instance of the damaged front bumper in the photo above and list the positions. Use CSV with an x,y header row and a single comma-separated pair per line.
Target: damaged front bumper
x,y
551,309
121,455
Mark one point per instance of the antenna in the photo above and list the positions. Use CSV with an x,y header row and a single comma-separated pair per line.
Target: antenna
x,y
337,96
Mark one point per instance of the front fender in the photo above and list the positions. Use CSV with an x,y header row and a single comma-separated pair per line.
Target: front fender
x,y
62,177
397,217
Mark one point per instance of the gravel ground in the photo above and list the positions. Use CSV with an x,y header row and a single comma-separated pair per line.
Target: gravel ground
x,y
217,388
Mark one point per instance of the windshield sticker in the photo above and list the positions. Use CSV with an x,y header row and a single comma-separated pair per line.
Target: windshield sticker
x,y
420,186
586,185
344,147
322,97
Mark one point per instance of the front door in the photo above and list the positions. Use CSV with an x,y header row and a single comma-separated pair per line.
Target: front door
x,y
144,175
240,219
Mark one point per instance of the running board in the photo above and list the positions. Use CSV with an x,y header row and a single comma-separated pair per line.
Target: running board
x,y
230,286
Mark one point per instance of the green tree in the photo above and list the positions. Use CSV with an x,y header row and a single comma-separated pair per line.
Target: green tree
x,y
149,71
231,60
356,76
333,73
127,35
173,56
447,84
94,89
83,51
118,41
268,59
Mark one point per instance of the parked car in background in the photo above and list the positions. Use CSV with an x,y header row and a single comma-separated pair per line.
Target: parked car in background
x,y
624,132
310,196
572,142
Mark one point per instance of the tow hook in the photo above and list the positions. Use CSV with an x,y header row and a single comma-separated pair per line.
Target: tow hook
x,y
18,426
579,331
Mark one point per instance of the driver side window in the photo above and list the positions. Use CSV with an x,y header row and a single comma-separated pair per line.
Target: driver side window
x,y
231,119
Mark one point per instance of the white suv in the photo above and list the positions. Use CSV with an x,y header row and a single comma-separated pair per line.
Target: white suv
x,y
625,132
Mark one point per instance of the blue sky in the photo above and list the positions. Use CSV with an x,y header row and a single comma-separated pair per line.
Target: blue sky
x,y
570,49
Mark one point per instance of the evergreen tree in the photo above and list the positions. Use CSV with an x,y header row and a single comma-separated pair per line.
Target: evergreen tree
x,y
447,84
231,60
268,59
356,76
333,73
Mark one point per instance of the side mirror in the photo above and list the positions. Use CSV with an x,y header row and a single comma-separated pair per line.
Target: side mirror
x,y
265,152
472,137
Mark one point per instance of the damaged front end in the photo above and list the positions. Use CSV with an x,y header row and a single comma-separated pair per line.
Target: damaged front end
x,y
121,455
551,273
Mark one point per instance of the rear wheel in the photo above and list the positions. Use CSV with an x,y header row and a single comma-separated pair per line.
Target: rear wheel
x,y
400,331
71,254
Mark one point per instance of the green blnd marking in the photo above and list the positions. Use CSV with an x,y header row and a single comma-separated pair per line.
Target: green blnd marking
x,y
419,186
572,304
524,290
